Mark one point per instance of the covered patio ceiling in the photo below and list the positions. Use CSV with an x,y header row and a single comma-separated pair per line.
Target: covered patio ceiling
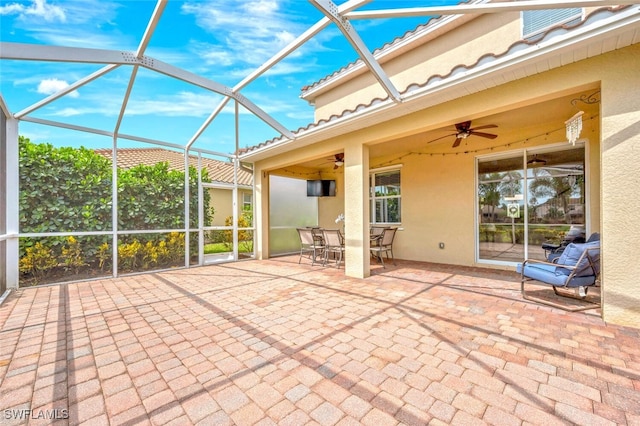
x,y
544,119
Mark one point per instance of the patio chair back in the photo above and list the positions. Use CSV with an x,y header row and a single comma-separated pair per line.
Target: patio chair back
x,y
388,234
332,238
306,236
333,245
377,230
309,244
384,245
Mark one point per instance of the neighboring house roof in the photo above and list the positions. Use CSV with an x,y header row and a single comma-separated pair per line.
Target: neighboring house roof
x,y
518,52
219,171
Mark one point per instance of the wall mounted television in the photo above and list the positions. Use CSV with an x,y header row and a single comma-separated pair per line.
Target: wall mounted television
x,y
321,188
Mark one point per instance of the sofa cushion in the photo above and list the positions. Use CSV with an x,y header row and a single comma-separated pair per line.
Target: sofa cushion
x,y
571,255
548,274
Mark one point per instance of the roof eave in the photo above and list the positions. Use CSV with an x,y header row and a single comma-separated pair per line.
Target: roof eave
x,y
617,32
443,24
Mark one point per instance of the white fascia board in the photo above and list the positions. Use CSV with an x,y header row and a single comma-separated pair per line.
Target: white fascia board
x,y
483,8
551,46
453,13
389,110
324,131
382,55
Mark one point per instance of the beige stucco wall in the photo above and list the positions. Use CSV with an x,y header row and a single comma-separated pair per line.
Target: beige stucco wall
x,y
493,32
621,186
222,203
438,193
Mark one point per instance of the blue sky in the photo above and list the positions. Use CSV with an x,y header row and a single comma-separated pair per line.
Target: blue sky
x,y
223,40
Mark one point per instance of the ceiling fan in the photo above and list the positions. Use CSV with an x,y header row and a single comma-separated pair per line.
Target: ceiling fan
x,y
338,160
464,130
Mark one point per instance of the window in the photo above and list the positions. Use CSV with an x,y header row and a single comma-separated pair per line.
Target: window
x,y
535,22
528,199
385,196
247,202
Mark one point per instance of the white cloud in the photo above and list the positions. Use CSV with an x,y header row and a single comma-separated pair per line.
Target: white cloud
x,y
38,8
69,112
71,23
53,85
249,32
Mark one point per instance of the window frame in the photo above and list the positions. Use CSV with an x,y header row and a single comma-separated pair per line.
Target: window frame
x,y
373,198
246,203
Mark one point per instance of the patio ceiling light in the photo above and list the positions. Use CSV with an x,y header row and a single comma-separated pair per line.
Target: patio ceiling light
x,y
535,161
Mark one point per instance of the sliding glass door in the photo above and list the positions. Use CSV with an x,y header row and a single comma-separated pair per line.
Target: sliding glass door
x,y
527,199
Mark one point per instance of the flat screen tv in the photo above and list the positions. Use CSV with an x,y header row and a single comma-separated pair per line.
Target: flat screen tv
x,y
321,188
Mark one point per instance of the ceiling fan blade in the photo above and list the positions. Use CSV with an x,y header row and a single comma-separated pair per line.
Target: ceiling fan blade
x,y
464,126
442,137
339,157
456,143
488,126
484,135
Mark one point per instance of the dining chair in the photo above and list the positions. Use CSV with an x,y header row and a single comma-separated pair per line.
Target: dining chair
x,y
385,245
310,244
333,243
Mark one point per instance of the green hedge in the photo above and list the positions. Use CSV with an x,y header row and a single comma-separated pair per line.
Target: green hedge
x,y
70,190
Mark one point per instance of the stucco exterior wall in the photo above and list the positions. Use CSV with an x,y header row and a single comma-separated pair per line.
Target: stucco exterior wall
x,y
495,32
438,193
222,203
620,157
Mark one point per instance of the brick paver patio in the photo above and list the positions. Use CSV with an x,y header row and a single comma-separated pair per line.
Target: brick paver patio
x,y
274,342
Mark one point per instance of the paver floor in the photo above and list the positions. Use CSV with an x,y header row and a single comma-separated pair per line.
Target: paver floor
x,y
274,342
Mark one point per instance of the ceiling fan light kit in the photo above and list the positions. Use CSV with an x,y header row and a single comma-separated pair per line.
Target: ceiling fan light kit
x,y
464,130
338,160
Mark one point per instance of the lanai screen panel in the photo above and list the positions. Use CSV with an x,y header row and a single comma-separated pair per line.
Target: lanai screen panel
x,y
289,208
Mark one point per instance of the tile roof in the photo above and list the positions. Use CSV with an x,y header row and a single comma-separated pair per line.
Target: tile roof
x,y
219,171
485,59
382,50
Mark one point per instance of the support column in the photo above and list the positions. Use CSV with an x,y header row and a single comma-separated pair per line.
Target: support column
x,y
356,210
261,212
12,199
620,168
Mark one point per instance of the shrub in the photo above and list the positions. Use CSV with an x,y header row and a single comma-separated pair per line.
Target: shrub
x,y
37,261
245,238
72,255
69,189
